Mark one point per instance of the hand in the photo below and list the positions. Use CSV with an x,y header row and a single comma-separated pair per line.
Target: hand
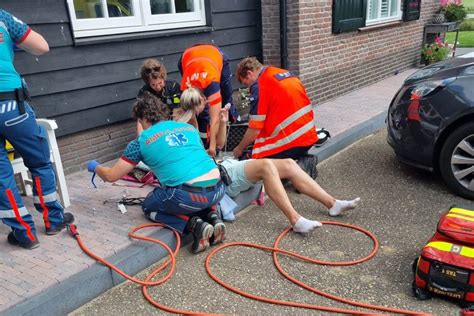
x,y
92,165
224,115
238,152
211,152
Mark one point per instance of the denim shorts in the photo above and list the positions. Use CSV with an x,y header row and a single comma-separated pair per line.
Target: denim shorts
x,y
235,169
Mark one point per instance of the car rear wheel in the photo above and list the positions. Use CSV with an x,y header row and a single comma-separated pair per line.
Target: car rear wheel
x,y
456,161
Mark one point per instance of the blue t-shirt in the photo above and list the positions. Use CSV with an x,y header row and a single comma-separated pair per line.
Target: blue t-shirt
x,y
172,150
12,31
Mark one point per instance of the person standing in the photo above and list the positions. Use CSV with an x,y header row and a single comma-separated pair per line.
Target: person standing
x,y
206,67
281,121
18,125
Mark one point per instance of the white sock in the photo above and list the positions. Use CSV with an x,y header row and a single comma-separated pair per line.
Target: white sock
x,y
304,225
342,205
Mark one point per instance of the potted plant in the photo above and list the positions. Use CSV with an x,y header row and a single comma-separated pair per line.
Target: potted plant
x,y
434,52
453,11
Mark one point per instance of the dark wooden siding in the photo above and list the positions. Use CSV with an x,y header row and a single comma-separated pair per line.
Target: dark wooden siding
x,y
88,86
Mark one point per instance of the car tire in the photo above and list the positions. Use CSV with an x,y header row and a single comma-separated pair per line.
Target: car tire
x,y
459,146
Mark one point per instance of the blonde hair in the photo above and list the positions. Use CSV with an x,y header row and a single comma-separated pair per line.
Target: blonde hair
x,y
190,99
245,65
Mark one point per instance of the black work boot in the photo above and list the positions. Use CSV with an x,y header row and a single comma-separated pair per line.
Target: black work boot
x,y
68,219
219,228
30,244
201,232
308,164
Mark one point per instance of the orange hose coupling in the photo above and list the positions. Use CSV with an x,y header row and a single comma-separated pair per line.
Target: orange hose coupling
x,y
72,229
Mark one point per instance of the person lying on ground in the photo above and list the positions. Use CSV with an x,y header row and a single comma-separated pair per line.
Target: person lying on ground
x,y
247,173
190,180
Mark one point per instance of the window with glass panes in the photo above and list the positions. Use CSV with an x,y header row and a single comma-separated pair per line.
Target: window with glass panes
x,y
103,17
382,11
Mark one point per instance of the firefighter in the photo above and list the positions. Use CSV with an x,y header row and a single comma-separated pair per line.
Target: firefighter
x,y
18,125
153,74
207,67
281,116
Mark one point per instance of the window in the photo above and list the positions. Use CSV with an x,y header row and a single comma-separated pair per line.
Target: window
x,y
104,17
379,11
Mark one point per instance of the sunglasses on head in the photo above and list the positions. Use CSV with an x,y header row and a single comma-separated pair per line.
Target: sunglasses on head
x,y
152,70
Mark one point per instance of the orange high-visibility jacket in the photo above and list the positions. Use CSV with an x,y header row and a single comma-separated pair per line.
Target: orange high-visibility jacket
x,y
283,114
202,67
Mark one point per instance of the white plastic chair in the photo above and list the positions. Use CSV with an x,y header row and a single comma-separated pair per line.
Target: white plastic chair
x,y
20,168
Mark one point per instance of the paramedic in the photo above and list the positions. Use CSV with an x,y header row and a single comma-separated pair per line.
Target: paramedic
x,y
206,67
190,180
18,125
281,116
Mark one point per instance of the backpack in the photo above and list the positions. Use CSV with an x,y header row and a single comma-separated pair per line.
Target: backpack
x,y
446,264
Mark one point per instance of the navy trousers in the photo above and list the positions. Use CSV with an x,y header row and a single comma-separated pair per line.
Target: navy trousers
x,y
174,206
30,141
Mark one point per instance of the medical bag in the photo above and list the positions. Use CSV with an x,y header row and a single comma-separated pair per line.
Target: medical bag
x,y
446,264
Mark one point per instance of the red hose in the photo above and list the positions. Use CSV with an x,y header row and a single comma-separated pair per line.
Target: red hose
x,y
275,250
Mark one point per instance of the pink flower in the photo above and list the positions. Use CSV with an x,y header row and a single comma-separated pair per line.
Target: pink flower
x,y
444,2
437,40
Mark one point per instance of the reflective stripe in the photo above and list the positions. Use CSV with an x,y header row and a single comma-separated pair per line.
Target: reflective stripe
x,y
288,139
47,198
290,119
448,247
470,219
461,211
203,135
258,117
11,213
8,106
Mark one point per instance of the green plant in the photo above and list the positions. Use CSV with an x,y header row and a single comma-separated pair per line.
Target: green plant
x,y
454,12
437,51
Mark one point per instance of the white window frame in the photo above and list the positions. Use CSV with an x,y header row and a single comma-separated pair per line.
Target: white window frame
x,y
379,19
142,20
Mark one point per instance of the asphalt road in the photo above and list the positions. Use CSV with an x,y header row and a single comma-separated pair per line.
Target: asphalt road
x,y
400,205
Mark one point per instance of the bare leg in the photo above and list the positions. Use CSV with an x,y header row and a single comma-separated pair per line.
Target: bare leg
x,y
289,169
264,169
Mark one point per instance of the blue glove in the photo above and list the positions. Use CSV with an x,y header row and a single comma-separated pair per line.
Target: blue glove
x,y
91,165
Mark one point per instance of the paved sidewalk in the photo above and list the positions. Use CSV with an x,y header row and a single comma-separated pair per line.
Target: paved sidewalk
x,y
58,277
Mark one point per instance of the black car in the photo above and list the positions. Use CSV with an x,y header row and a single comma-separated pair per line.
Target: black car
x,y
430,122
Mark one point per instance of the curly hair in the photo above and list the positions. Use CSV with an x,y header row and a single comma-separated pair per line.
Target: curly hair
x,y
152,69
150,108
245,65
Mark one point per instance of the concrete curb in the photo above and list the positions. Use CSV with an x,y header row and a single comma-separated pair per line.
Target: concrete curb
x,y
346,138
95,280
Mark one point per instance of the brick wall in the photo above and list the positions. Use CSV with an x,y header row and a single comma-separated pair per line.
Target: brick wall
x,y
332,64
103,144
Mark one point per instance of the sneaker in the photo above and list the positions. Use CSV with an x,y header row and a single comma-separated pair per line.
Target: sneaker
x,y
219,229
30,244
68,219
201,231
308,164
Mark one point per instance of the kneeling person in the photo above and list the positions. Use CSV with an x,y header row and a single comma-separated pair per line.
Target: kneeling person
x,y
190,180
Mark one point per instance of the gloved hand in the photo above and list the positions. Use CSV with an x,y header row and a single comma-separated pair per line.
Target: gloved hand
x,y
91,165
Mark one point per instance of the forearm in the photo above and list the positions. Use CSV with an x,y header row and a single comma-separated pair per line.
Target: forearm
x,y
221,135
214,111
116,172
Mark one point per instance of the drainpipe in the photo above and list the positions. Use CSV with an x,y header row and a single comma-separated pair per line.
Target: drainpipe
x,y
283,35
